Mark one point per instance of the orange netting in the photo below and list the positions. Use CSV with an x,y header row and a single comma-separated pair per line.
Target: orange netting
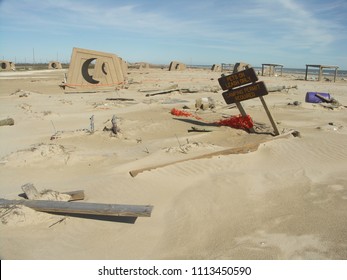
x,y
238,122
181,113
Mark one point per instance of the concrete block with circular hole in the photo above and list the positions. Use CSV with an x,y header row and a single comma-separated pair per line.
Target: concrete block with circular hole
x,y
93,71
6,65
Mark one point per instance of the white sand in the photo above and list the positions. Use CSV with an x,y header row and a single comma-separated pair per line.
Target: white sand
x,y
287,200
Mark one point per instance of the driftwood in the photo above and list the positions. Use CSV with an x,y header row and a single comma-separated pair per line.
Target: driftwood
x,y
32,193
328,100
8,121
175,86
161,92
120,99
75,195
82,208
238,150
332,102
194,129
280,88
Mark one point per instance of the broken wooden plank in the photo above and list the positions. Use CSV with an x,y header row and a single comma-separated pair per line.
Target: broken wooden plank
x,y
82,208
174,86
120,99
30,191
161,92
194,129
75,195
327,100
238,150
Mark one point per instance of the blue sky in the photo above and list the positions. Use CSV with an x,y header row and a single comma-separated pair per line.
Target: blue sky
x,y
289,32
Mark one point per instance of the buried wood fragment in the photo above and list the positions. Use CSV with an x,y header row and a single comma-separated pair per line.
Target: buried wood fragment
x,y
161,92
8,121
280,88
194,129
237,150
75,195
82,208
120,99
32,193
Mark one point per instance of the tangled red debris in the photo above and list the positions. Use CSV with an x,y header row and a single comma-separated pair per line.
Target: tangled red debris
x,y
181,113
238,122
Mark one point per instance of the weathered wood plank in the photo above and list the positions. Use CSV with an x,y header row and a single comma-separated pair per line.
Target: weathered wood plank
x,y
238,150
273,123
83,208
75,195
30,191
244,114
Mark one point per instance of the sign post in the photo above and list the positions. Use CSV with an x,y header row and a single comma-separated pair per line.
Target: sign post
x,y
242,86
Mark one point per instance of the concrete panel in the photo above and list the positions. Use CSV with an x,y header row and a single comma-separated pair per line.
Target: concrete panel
x,y
240,66
216,68
6,65
93,70
177,66
54,65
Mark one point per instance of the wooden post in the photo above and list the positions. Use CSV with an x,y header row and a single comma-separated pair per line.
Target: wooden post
x,y
244,114
306,72
269,115
115,128
320,73
335,74
92,124
83,208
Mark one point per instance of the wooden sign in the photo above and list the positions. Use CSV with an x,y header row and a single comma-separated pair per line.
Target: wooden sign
x,y
247,92
238,79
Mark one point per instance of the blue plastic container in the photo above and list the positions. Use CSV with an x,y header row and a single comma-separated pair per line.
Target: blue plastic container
x,y
312,98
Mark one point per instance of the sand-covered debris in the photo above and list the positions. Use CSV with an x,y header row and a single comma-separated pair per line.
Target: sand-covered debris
x,y
20,215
